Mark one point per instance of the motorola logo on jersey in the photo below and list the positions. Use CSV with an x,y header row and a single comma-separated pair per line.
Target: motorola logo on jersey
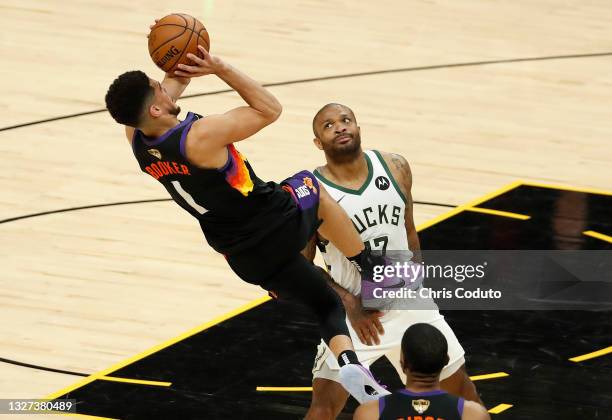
x,y
382,183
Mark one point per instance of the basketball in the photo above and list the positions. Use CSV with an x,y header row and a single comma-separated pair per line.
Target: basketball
x,y
173,37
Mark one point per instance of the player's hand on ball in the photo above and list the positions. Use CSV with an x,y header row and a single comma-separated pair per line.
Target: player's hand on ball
x,y
208,64
151,27
366,324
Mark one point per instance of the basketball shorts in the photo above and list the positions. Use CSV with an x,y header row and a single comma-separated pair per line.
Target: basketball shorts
x,y
395,324
260,263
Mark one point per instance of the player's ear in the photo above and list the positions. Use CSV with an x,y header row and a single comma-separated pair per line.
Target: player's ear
x,y
402,362
317,143
155,111
446,359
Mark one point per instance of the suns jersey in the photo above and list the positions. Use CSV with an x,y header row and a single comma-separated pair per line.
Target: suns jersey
x,y
433,405
376,209
235,208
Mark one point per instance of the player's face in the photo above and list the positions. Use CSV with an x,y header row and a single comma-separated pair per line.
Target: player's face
x,y
337,132
164,101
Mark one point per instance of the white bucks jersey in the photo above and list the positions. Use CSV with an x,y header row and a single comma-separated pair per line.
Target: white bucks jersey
x,y
377,211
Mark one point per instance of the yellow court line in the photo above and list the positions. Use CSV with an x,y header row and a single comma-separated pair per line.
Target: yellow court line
x,y
489,376
592,355
500,408
309,388
470,204
597,235
284,388
567,188
83,416
499,213
133,381
159,347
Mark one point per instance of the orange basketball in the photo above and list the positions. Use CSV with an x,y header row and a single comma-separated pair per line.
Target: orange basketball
x,y
174,36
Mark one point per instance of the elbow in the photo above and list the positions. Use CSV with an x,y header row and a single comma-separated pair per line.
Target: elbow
x,y
276,111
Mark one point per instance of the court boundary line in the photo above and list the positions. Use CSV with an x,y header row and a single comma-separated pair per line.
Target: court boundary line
x,y
341,76
217,320
146,201
598,235
591,355
483,377
500,213
567,188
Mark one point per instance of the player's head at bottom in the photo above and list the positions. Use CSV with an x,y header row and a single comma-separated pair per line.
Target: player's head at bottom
x,y
424,351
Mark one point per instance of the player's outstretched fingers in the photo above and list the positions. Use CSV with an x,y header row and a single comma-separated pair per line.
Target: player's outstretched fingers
x,y
187,71
364,336
374,334
376,320
151,27
205,54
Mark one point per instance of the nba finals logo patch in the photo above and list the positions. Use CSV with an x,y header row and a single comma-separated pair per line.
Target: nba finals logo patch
x,y
420,406
308,182
154,152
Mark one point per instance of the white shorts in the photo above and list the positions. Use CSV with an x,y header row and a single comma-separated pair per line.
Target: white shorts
x,y
395,324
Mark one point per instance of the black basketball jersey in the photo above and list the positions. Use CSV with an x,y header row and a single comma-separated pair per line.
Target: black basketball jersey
x,y
408,405
235,208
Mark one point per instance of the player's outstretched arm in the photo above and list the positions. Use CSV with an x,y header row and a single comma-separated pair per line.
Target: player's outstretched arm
x,y
367,411
474,411
366,324
239,123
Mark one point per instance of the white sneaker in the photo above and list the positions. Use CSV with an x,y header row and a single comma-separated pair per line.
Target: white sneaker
x,y
359,382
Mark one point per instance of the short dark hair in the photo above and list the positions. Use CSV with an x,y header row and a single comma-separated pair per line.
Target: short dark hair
x,y
425,349
127,96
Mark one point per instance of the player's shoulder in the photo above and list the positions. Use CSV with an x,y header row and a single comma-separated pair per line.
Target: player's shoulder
x,y
474,411
392,158
398,165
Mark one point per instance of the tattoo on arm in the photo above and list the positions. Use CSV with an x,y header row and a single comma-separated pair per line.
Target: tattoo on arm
x,y
401,164
405,179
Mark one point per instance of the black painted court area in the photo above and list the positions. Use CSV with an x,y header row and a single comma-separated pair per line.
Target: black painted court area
x,y
215,372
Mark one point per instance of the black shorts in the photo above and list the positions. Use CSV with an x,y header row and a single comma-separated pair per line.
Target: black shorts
x,y
258,264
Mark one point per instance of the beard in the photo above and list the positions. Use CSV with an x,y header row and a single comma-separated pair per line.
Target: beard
x,y
175,110
341,153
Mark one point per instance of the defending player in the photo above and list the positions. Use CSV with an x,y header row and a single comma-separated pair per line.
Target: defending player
x,y
424,353
260,227
375,190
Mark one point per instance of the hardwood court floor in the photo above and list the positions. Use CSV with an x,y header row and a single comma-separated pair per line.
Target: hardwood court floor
x,y
83,290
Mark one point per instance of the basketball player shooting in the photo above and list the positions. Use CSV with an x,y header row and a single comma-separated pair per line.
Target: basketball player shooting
x,y
260,227
374,188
